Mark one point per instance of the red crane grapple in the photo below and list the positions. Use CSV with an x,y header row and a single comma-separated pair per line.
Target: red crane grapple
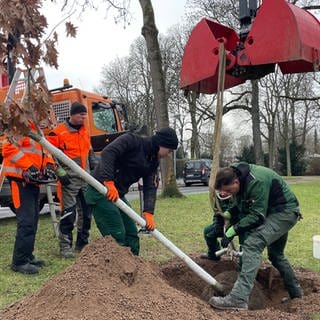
x,y
281,33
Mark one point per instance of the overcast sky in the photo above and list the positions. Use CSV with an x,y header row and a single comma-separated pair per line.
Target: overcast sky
x,y
100,40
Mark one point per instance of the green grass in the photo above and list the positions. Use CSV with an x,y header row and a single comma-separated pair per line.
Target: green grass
x,y
180,220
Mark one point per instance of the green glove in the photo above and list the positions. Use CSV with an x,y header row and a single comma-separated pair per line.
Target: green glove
x,y
230,232
228,237
226,215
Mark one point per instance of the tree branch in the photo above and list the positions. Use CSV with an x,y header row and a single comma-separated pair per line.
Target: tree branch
x,y
311,7
300,98
236,107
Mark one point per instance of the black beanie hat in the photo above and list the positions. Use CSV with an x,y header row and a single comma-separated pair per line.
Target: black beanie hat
x,y
167,138
77,107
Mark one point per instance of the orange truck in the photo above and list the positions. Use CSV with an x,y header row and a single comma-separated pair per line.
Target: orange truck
x,y
106,120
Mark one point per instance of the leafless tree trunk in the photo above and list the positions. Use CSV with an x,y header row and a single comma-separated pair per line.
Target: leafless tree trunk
x,y
194,148
150,33
286,135
255,113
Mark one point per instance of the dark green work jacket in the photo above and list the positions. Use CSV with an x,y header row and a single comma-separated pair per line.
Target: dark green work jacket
x,y
262,192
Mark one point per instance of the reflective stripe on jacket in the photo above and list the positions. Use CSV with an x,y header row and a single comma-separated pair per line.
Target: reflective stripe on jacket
x,y
20,157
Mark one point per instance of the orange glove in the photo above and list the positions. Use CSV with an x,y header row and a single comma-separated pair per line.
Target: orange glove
x,y
112,194
150,225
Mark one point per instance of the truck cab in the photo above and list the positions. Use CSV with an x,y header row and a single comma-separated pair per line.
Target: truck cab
x,y
106,120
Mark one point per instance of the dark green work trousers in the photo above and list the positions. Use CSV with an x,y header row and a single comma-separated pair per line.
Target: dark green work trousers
x,y
272,234
110,220
211,234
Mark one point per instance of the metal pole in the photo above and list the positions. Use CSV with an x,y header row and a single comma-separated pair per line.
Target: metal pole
x,y
52,208
129,211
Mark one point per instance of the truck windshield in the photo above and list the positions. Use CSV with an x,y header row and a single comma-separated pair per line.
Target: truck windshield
x,y
104,117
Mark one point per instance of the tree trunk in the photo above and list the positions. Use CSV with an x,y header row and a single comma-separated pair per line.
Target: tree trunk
x,y
271,145
316,146
194,148
150,33
255,114
293,124
287,144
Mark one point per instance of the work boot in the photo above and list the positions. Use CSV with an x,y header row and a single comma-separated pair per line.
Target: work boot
x,y
66,251
65,246
228,302
81,242
78,247
209,257
296,292
26,268
287,299
37,262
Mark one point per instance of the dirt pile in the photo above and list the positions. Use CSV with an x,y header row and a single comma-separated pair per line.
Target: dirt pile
x,y
266,301
107,282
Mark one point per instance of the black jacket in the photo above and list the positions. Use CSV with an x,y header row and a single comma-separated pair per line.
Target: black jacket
x,y
126,160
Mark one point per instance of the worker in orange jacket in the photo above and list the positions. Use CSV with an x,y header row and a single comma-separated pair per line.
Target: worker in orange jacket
x,y
73,138
26,164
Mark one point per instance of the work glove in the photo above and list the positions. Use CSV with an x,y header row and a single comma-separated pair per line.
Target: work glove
x,y
226,215
31,174
112,194
150,225
50,171
228,237
63,176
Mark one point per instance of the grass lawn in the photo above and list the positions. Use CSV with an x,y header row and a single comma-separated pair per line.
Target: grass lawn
x,y
180,220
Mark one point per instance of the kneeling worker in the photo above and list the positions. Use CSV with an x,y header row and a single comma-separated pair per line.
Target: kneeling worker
x,y
269,210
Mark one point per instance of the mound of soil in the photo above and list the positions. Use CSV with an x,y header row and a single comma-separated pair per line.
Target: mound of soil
x,y
107,282
269,299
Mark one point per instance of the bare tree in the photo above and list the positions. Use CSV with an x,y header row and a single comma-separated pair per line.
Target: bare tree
x,y
150,33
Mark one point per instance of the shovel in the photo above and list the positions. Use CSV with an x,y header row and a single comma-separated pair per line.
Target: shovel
x,y
130,212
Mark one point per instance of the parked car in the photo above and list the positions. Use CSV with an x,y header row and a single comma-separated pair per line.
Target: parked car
x,y
197,171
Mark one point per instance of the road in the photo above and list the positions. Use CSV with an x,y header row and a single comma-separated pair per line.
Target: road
x,y
134,194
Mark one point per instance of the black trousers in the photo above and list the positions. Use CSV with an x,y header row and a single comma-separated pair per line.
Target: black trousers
x,y
26,201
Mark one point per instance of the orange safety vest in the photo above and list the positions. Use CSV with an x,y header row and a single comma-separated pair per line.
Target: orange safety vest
x,y
74,143
18,158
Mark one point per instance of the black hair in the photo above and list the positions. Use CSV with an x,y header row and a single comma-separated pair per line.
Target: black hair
x,y
225,176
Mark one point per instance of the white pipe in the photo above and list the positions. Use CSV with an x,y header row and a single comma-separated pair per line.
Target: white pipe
x,y
129,211
223,251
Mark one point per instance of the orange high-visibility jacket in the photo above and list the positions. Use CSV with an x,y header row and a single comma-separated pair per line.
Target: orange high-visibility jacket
x,y
74,143
17,158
